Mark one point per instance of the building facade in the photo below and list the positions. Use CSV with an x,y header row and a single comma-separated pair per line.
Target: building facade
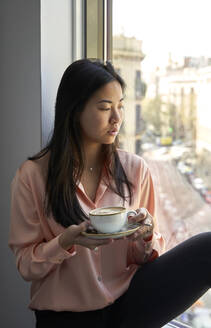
x,y
127,58
185,93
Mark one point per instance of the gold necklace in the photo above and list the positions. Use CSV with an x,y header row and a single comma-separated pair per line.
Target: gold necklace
x,y
92,169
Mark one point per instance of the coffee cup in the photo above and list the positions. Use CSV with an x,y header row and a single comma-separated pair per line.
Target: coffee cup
x,y
110,219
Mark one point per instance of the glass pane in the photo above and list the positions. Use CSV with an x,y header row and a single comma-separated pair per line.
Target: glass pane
x,y
162,49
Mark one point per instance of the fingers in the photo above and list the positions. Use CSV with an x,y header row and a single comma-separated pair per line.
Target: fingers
x,y
92,243
146,225
140,235
142,214
74,231
84,225
77,229
134,236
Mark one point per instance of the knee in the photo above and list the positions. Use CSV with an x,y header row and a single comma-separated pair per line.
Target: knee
x,y
205,235
202,240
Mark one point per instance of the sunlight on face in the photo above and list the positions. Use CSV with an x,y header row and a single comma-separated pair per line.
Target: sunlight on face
x,y
103,114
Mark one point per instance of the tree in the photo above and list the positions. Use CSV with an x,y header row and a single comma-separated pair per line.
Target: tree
x,y
151,112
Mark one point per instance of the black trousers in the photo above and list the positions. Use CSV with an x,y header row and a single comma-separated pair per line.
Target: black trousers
x,y
159,291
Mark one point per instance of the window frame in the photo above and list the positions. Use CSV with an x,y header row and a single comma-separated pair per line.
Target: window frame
x,y
98,17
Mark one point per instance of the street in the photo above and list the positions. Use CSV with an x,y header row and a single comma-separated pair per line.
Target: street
x,y
180,209
181,213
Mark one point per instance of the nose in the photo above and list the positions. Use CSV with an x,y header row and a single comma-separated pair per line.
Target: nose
x,y
115,116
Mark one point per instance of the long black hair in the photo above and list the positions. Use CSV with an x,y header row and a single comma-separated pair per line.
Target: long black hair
x,y
66,155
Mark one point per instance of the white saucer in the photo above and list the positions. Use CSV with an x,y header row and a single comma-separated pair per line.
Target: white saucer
x,y
127,230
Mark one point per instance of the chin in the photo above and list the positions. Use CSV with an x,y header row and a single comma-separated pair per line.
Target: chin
x,y
109,141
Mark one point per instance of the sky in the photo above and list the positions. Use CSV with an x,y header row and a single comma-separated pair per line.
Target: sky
x,y
179,27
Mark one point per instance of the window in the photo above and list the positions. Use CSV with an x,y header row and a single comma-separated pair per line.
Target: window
x,y
138,118
167,110
138,146
138,85
167,105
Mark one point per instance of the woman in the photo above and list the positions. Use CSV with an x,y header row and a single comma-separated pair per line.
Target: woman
x,y
106,282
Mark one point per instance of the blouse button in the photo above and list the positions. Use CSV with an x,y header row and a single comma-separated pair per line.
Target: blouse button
x,y
99,278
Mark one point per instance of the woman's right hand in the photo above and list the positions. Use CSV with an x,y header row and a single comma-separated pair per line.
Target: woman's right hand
x,y
72,236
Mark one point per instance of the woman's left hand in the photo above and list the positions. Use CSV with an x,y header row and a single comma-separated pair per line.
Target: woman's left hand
x,y
143,237
146,225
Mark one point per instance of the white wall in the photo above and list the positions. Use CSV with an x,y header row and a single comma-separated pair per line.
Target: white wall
x,y
56,54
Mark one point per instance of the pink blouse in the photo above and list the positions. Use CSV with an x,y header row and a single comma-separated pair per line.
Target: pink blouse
x,y
80,279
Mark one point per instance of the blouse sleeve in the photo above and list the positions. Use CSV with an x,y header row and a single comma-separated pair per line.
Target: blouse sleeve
x,y
35,256
147,200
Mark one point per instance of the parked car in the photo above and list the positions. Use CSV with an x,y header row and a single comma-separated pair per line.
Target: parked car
x,y
161,151
177,152
147,146
190,177
166,141
203,191
177,142
184,169
207,196
198,183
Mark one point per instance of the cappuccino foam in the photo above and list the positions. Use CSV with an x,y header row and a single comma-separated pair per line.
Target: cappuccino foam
x,y
107,211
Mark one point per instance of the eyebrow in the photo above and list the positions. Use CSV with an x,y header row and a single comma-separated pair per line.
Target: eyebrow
x,y
107,101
